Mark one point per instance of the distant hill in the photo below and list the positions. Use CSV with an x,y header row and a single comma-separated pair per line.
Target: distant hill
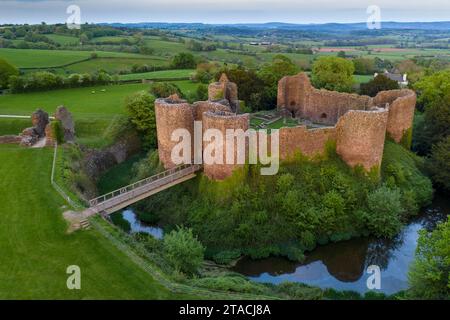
x,y
334,27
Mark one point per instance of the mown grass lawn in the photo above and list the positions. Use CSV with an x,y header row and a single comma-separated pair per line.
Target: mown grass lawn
x,y
35,249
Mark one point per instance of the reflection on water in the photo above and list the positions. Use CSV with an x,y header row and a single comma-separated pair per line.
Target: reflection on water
x,y
138,226
342,265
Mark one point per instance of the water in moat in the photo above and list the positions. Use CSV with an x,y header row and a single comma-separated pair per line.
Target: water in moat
x,y
138,226
343,265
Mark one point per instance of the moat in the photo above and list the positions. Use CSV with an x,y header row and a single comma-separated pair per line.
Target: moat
x,y
341,265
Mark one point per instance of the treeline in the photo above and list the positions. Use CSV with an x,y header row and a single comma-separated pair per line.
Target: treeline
x,y
40,81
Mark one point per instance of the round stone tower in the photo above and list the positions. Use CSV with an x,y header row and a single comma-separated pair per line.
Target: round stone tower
x,y
172,113
221,121
360,137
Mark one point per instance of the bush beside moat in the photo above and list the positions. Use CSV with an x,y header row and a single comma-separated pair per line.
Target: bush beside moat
x,y
309,202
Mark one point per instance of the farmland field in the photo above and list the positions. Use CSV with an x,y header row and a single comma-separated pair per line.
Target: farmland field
x,y
165,74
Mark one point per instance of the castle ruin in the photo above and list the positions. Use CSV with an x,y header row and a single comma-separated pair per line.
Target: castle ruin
x,y
358,124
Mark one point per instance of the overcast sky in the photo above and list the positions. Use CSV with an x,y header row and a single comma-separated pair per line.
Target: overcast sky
x,y
219,11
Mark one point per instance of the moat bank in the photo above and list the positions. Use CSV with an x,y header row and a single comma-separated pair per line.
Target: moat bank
x,y
343,265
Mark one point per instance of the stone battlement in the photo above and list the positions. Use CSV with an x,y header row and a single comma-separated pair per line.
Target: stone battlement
x,y
357,123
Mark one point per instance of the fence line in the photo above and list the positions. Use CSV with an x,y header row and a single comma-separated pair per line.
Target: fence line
x,y
60,190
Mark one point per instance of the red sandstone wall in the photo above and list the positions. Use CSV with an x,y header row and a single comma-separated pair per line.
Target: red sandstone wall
x,y
223,121
321,106
308,142
360,137
10,139
402,104
169,117
201,107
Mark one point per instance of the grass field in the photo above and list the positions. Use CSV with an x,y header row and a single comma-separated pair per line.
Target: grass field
x,y
114,65
32,58
164,74
92,109
35,249
82,102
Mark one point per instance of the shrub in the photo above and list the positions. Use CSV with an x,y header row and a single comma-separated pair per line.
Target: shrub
x,y
141,110
384,212
57,131
183,251
333,73
379,83
429,275
119,221
439,164
183,60
6,70
164,89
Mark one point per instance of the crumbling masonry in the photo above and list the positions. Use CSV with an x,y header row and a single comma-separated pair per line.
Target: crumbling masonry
x,y
358,124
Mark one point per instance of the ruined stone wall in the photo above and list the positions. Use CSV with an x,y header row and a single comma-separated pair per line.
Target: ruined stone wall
x,y
309,142
224,90
201,107
10,139
171,114
222,121
296,94
402,104
360,137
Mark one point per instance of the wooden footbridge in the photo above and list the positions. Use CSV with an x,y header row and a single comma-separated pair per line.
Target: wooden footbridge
x,y
123,197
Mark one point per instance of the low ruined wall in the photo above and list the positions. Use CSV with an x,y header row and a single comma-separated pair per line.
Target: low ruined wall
x,y
402,104
299,139
360,137
97,162
10,139
171,115
222,121
201,107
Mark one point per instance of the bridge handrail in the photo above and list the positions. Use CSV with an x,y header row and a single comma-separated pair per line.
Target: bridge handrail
x,y
143,182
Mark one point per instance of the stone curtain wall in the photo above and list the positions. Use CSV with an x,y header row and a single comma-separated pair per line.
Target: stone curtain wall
x,y
360,137
402,104
224,90
358,123
296,94
201,107
309,142
222,121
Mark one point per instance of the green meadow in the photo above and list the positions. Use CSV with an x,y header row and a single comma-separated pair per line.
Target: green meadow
x,y
33,238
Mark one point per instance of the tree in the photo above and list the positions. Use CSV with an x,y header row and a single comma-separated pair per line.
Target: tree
x,y
384,212
6,70
281,66
379,83
183,251
164,89
141,110
434,99
429,276
333,73
439,164
364,66
183,60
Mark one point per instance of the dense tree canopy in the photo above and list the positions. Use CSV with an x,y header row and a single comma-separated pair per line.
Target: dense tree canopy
x,y
379,83
141,110
183,60
429,276
333,73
